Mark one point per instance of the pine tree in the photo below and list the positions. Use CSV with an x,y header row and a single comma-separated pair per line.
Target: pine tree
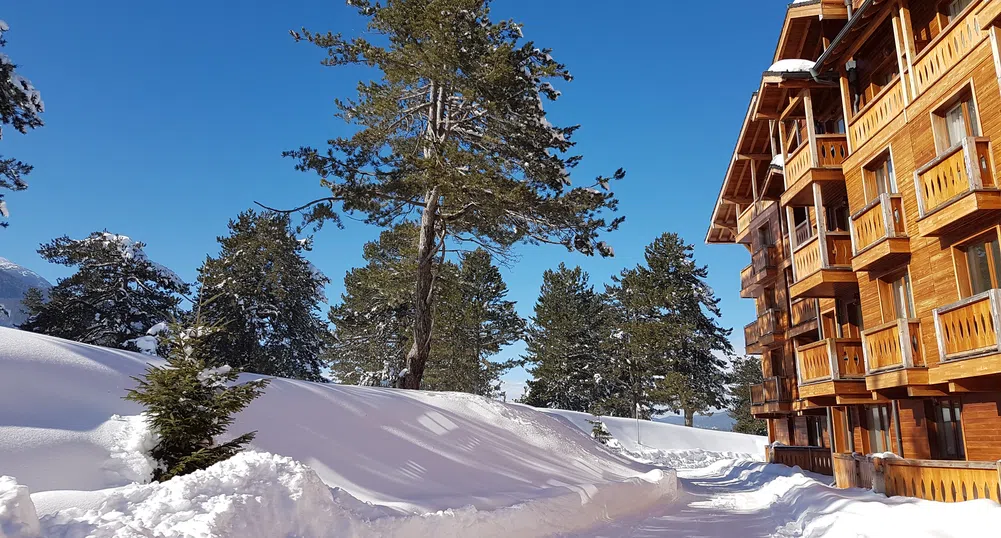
x,y
115,296
452,128
475,322
565,343
20,106
190,403
746,371
674,329
266,296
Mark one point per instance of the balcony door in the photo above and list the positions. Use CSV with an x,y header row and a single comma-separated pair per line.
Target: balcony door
x,y
947,430
896,298
877,418
956,7
955,121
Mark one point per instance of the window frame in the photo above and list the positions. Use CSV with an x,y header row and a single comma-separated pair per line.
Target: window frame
x,y
964,96
964,286
881,160
883,432
957,433
888,296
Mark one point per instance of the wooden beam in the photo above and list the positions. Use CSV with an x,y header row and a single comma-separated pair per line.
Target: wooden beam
x,y
754,156
975,384
926,392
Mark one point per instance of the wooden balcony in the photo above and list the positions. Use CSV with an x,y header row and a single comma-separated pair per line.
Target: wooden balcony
x,y
764,332
809,458
817,162
957,188
879,240
877,114
761,272
747,282
751,338
749,217
893,355
968,343
932,480
773,397
822,267
947,50
802,317
832,367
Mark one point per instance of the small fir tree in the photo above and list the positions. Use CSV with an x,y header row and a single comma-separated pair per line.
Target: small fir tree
x,y
267,294
20,106
746,371
599,432
565,350
190,403
452,128
115,296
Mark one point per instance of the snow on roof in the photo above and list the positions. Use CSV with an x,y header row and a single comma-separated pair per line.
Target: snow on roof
x,y
791,66
777,160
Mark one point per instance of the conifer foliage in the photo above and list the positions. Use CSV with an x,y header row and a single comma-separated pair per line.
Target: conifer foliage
x,y
190,402
453,128
20,106
115,296
565,351
266,297
746,372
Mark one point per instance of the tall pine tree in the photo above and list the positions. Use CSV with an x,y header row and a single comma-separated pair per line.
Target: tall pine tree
x,y
115,296
672,321
266,296
746,371
565,343
20,106
452,128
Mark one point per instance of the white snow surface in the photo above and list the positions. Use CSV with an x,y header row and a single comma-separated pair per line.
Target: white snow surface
x,y
791,66
328,460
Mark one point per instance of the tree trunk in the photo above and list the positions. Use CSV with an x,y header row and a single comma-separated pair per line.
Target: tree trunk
x,y
418,355
689,417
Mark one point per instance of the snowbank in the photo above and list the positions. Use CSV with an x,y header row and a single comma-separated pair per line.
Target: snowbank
x,y
648,437
414,462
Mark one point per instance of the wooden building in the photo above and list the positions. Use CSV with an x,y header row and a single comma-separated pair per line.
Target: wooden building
x,y
864,187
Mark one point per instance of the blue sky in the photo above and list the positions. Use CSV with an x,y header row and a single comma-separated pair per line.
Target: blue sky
x,y
164,120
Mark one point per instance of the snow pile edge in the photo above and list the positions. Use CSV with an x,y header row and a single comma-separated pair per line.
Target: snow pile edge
x,y
261,495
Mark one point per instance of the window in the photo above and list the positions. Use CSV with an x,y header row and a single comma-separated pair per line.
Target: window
x,y
982,259
878,419
879,177
947,417
765,237
816,428
895,295
837,216
956,7
849,318
955,120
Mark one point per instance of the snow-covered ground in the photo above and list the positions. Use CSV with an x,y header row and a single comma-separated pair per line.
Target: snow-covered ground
x,y
333,460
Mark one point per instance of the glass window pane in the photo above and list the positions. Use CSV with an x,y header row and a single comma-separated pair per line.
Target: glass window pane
x,y
980,271
956,125
972,119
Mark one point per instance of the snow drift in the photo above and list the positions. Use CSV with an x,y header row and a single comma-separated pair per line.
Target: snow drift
x,y
363,460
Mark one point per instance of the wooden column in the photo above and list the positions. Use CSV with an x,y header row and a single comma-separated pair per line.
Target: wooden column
x,y
785,157
811,129
818,203
901,59
846,105
896,427
907,39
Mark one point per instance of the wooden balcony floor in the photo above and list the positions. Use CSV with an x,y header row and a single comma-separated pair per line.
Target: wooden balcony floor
x,y
801,192
962,213
888,253
825,283
901,377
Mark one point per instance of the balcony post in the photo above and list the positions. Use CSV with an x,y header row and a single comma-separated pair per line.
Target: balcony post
x,y
886,204
865,352
972,166
791,219
906,352
785,156
811,128
799,371
835,360
995,295
818,202
918,194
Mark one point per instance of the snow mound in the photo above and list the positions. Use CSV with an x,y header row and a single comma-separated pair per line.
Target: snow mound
x,y
400,463
17,513
791,66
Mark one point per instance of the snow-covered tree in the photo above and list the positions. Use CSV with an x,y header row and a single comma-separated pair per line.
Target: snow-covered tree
x,y
452,128
265,296
191,402
565,343
116,295
20,107
671,323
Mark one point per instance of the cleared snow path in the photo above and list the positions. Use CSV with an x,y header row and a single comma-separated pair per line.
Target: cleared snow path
x,y
753,499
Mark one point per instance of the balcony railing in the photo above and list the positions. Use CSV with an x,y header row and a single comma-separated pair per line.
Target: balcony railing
x,y
933,480
809,458
804,231
892,346
969,327
832,150
746,277
962,169
758,394
751,337
832,359
945,51
764,259
877,114
803,311
768,322
751,212
882,219
809,258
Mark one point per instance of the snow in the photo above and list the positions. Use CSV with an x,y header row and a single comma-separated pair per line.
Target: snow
x,y
132,250
17,513
791,66
4,26
778,160
369,460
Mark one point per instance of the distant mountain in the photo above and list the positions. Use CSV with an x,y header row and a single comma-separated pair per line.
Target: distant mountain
x,y
718,421
14,282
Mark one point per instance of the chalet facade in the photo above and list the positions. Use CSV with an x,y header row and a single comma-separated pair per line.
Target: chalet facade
x,y
865,188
